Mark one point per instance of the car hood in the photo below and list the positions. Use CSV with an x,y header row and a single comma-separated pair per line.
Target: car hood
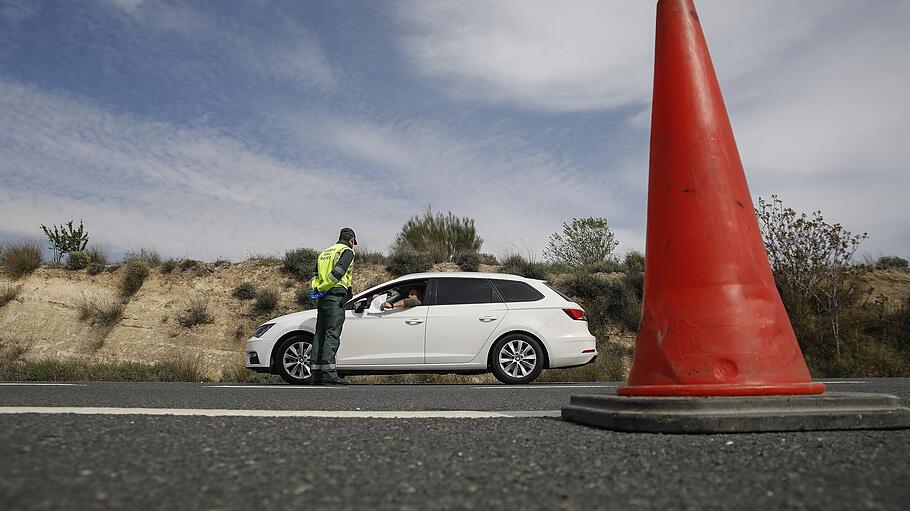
x,y
294,318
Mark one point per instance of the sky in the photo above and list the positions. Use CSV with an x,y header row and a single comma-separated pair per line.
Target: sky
x,y
228,129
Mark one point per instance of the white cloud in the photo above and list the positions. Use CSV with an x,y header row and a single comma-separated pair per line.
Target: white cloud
x,y
286,52
182,190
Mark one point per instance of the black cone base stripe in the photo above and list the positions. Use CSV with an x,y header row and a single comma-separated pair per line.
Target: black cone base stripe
x,y
830,411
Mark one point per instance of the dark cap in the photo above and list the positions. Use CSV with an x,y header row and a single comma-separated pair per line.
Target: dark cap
x,y
347,234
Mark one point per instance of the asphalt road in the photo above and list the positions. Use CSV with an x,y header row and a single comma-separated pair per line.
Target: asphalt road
x,y
101,461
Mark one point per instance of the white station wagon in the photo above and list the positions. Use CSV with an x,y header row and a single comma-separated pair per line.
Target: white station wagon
x,y
467,323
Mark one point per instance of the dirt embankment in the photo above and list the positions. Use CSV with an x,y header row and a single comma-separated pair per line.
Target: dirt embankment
x,y
45,317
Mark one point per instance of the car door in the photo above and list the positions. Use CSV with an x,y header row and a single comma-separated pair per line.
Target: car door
x,y
463,314
391,338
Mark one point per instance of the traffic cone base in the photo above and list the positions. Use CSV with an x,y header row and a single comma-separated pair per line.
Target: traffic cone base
x,y
721,390
831,411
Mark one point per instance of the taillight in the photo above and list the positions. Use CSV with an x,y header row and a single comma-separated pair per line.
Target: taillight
x,y
576,314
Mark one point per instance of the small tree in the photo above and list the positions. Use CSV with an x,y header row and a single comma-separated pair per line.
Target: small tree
x,y
585,241
809,257
65,239
440,236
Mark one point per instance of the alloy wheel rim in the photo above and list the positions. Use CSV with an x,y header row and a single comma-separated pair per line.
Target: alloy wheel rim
x,y
517,358
296,360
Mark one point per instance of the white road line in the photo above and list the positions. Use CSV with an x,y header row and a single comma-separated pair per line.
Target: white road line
x,y
42,384
342,414
518,387
271,387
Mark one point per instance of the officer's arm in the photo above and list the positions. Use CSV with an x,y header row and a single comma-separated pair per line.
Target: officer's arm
x,y
341,267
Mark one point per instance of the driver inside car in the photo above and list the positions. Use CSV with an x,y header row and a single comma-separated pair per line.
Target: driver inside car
x,y
412,299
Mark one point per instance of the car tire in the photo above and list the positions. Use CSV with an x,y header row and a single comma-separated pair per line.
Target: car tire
x,y
293,359
516,359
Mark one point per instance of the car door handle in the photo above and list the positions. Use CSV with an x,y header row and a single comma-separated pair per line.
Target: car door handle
x,y
413,321
487,319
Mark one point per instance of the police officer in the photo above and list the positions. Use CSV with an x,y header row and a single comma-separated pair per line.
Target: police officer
x,y
331,287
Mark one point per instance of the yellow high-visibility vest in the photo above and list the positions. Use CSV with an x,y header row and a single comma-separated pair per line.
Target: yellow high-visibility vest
x,y
324,280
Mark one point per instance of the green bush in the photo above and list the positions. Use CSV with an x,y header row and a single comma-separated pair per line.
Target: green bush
x,y
195,313
371,257
488,259
440,236
77,260
585,241
20,259
300,262
404,262
266,300
468,261
66,238
606,266
95,268
518,265
135,273
891,263
149,255
244,291
606,300
168,266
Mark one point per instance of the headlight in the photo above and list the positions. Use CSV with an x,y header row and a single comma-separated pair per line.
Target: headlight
x,y
263,329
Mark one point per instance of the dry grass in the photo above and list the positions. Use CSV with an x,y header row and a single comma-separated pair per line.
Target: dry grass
x,y
20,259
149,255
266,300
8,293
101,312
196,313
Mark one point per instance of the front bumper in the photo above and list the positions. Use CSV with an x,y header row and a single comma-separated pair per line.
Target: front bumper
x,y
258,354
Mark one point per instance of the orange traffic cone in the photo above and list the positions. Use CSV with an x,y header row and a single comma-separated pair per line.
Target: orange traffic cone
x,y
713,323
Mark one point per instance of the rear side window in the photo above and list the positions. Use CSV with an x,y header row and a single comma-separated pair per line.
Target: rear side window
x,y
560,293
460,291
514,291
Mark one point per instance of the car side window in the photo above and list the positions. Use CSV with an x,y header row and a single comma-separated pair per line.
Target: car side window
x,y
514,291
394,292
453,291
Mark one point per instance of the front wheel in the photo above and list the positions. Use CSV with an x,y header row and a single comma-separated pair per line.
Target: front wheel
x,y
293,360
516,359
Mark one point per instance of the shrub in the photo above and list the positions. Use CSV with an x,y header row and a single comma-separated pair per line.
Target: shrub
x,y
810,258
95,269
168,266
635,261
585,241
302,297
104,313
518,265
8,293
77,260
606,300
222,262
371,257
607,266
468,261
189,264
407,261
149,255
266,300
489,259
300,262
19,259
135,274
97,256
891,263
196,313
440,236
65,239
244,291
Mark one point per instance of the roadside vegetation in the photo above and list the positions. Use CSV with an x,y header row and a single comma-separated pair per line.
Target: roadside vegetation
x,y
849,323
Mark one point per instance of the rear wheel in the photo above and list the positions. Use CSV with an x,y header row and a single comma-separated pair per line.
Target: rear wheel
x,y
516,359
293,359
